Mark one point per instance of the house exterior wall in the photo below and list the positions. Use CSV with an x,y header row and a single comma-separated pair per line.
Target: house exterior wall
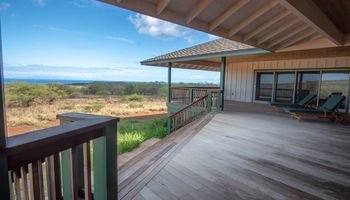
x,y
240,71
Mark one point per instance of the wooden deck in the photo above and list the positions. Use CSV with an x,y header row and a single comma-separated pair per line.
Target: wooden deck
x,y
251,152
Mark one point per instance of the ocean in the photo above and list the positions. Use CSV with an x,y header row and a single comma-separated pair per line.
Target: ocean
x,y
46,81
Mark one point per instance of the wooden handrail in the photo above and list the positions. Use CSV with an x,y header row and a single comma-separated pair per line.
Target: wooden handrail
x,y
55,150
189,113
188,106
195,87
186,95
19,149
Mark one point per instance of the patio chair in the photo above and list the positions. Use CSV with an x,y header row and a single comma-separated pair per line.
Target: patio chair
x,y
300,104
327,110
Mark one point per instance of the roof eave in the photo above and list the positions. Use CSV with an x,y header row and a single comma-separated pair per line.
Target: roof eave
x,y
251,51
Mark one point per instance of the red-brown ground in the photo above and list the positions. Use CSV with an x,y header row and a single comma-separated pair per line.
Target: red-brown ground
x,y
11,131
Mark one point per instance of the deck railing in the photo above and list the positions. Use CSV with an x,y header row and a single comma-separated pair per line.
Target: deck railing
x,y
187,95
189,113
196,109
77,158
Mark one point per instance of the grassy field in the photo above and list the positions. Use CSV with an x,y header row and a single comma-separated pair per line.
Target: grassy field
x,y
132,132
35,106
43,115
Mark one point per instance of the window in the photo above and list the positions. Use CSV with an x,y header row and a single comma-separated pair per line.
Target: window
x,y
334,83
264,85
285,86
293,86
307,83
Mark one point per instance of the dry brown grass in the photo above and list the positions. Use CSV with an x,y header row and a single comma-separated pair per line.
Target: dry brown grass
x,y
43,115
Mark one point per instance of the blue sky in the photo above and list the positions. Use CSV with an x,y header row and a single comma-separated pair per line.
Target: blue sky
x,y
90,40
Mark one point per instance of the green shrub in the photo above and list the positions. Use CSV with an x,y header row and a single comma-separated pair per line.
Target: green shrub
x,y
133,97
68,107
93,108
20,94
135,105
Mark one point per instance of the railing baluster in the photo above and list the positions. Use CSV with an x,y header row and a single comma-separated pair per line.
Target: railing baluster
x,y
41,179
48,177
16,180
56,176
87,171
73,170
24,175
10,177
36,181
30,181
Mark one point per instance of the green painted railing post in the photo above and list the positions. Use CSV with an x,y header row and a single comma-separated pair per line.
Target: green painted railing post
x,y
66,170
209,101
191,95
169,125
66,175
105,165
222,82
218,101
169,82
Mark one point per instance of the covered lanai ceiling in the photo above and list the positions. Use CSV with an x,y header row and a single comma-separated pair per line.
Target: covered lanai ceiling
x,y
272,25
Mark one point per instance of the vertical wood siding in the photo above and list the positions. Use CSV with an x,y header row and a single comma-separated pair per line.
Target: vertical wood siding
x,y
239,84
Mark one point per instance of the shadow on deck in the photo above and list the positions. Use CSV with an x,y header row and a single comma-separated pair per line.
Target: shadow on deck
x,y
247,152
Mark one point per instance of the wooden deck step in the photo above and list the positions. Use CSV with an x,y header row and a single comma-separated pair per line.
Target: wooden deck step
x,y
137,172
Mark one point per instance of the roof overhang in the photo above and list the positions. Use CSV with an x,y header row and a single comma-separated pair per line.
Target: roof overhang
x,y
209,62
272,25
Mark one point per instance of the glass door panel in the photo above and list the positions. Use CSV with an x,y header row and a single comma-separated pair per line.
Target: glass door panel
x,y
264,85
285,86
334,83
307,83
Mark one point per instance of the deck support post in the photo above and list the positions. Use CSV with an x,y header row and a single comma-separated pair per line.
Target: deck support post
x,y
209,101
4,180
191,95
169,97
169,81
222,84
169,125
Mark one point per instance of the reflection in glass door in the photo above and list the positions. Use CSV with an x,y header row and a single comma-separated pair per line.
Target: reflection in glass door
x,y
264,84
307,83
334,83
285,86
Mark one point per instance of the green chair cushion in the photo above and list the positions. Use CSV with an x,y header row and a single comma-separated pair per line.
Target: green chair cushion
x,y
333,102
302,103
306,100
330,105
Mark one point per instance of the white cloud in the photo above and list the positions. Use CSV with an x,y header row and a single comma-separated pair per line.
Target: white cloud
x,y
4,6
120,39
83,3
213,37
159,28
40,2
197,77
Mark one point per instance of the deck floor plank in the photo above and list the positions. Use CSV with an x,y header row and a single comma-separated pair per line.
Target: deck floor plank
x,y
255,153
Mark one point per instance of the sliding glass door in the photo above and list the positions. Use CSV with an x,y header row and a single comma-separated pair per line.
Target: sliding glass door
x,y
264,85
285,86
293,86
307,83
334,83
